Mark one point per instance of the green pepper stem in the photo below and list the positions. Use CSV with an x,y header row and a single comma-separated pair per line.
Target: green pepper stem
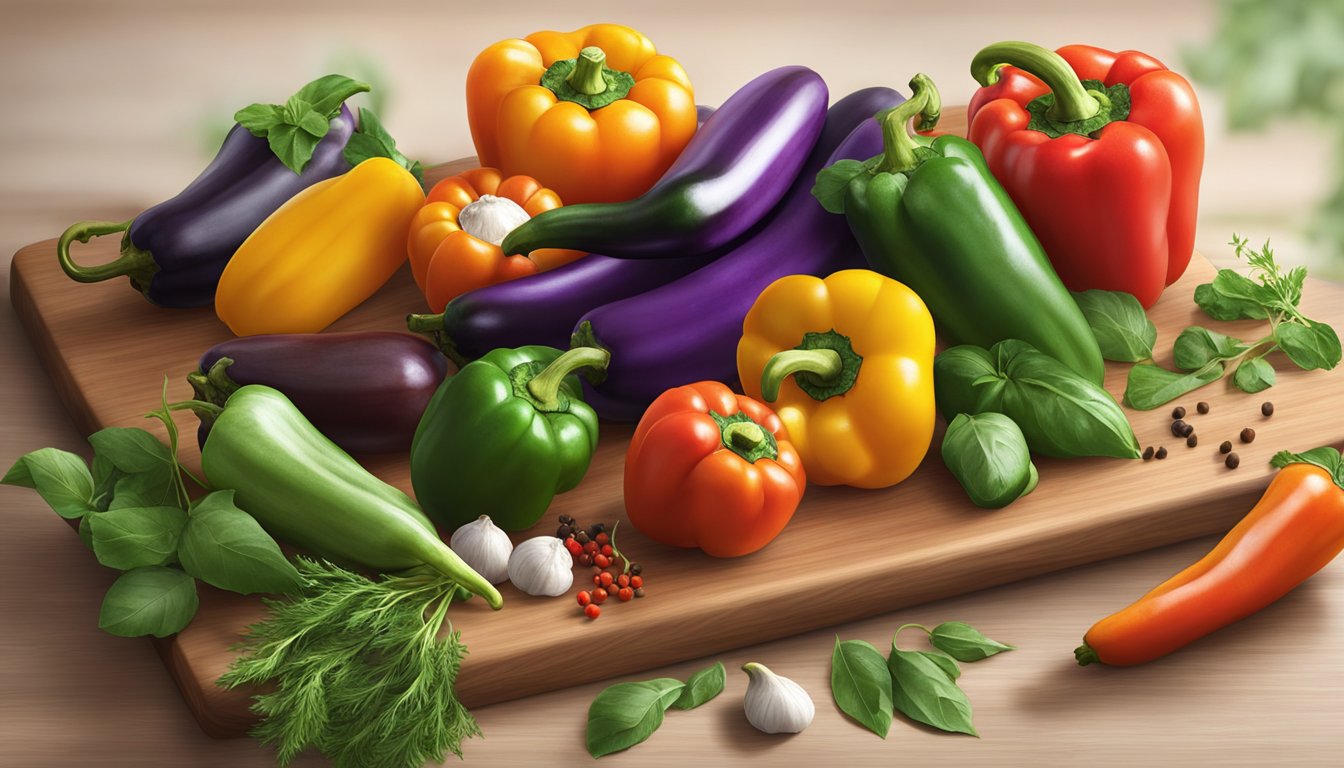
x,y
545,386
898,144
587,75
825,363
744,435
133,261
1072,102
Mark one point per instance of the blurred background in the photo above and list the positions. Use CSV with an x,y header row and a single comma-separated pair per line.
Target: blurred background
x,y
114,106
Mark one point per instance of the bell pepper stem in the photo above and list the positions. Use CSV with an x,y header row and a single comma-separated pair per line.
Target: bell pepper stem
x,y
898,144
1085,655
587,75
545,386
1072,101
744,435
132,261
824,363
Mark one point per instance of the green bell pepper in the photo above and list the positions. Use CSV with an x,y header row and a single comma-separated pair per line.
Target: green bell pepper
x,y
929,213
504,435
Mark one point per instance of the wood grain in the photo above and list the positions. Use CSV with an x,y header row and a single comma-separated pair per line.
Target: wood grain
x,y
848,554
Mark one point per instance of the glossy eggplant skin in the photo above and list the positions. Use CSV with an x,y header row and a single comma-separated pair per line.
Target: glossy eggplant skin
x,y
688,330
365,391
175,251
735,169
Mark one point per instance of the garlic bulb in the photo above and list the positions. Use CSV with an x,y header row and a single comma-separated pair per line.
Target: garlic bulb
x,y
542,566
491,218
775,704
484,547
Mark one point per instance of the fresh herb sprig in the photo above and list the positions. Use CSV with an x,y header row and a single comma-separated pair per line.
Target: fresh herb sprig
x,y
1203,356
626,714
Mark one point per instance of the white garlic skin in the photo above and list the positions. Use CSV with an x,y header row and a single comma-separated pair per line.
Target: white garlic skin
x,y
491,218
775,704
542,566
483,546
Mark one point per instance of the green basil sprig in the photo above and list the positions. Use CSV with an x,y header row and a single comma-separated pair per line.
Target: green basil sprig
x,y
294,129
861,684
1059,412
371,139
626,714
702,686
1124,332
989,457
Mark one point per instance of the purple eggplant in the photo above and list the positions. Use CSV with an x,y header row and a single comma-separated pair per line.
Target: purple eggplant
x,y
688,330
365,391
175,251
734,170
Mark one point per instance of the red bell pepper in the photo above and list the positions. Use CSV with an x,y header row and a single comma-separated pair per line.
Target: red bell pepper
x,y
1102,152
711,469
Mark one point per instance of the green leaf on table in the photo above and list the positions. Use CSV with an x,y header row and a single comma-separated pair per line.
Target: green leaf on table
x,y
963,642
1254,375
1123,331
153,600
227,548
861,684
922,691
133,537
61,478
1234,286
130,450
947,663
146,489
1220,307
702,686
371,139
988,455
1150,386
626,714
1196,347
1312,346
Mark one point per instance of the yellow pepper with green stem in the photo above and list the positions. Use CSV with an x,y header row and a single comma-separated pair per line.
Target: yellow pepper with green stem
x,y
847,363
322,253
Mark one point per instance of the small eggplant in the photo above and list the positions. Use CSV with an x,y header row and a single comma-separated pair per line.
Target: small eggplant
x,y
734,170
365,391
175,251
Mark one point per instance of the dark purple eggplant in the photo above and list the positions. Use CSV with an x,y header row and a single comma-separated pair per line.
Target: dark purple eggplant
x,y
734,170
688,330
365,391
175,251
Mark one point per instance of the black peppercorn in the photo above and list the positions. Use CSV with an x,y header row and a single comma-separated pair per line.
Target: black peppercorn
x,y
1202,407
1178,428
563,532
1232,461
639,591
1247,435
566,520
636,569
1161,453
1192,441
1226,447
581,536
1178,412
595,529
1148,453
1267,409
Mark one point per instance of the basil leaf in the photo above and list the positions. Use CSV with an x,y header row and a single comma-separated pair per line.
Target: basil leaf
x,y
134,537
626,714
963,642
965,380
259,118
702,686
294,130
1235,286
326,94
1325,457
1220,307
301,115
292,145
861,684
1123,330
947,663
86,530
1254,375
922,691
154,601
1150,386
61,478
1196,347
146,489
833,182
1293,283
371,139
130,450
225,547
105,477
1310,347
988,455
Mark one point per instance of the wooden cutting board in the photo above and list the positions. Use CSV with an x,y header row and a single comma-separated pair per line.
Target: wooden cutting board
x,y
848,553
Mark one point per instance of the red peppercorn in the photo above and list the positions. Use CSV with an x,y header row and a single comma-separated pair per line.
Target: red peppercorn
x,y
625,593
597,579
592,611
585,559
590,547
574,547
603,538
623,580
584,598
605,578
608,551
601,560
636,581
599,595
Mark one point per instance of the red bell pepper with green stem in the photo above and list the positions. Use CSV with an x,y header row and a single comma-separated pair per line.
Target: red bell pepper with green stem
x,y
1102,152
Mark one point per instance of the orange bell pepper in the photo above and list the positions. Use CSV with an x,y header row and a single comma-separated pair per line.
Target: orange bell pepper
x,y
454,239
711,469
595,114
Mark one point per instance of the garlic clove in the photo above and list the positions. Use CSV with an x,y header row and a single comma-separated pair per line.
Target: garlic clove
x,y
491,218
775,704
484,547
542,566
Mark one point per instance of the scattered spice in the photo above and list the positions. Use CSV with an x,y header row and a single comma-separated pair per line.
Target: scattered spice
x,y
1266,409
1226,447
592,611
1178,428
1202,407
1192,441
1247,435
1232,461
1178,412
1148,453
1161,453
639,591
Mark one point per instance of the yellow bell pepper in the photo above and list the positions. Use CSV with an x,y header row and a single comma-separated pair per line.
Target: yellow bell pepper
x,y
847,363
595,114
322,253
